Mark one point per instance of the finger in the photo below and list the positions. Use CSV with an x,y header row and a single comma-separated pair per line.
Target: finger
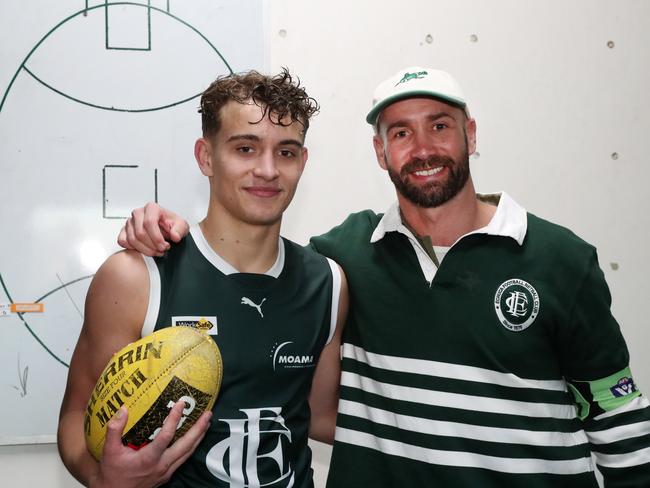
x,y
141,227
168,430
153,225
177,228
114,430
135,242
121,238
190,440
183,448
177,463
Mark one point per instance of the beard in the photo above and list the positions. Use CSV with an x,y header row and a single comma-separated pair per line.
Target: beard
x,y
436,193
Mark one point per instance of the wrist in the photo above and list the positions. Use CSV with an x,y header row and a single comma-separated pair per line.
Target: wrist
x,y
96,481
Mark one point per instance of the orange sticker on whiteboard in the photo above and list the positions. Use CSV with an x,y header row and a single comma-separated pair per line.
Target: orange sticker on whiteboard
x,y
27,307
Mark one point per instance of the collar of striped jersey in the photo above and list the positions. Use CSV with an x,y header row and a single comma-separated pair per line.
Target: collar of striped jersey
x,y
509,220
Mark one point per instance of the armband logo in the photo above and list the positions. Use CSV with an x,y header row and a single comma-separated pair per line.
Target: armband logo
x,y
625,386
516,304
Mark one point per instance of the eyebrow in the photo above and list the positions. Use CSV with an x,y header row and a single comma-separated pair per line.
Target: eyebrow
x,y
431,118
253,137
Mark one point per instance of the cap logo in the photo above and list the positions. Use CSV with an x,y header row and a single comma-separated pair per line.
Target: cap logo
x,y
411,76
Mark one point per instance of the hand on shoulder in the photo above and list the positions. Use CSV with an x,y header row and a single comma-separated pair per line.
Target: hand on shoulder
x,y
149,229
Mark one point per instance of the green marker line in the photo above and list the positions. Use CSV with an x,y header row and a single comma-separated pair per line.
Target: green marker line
x,y
112,109
20,315
22,66
148,48
62,286
80,12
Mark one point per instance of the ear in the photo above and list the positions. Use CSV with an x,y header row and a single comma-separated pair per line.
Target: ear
x,y
470,131
378,144
203,155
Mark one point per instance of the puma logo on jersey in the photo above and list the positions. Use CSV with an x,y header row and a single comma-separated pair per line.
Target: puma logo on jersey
x,y
251,303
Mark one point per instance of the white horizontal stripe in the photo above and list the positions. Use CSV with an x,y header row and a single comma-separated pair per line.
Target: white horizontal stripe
x,y
448,370
457,400
637,403
464,459
619,433
465,431
626,460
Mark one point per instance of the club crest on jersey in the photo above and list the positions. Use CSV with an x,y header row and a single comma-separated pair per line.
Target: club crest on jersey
x,y
245,454
285,355
516,304
203,323
625,386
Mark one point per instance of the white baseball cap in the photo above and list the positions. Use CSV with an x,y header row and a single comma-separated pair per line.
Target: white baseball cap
x,y
416,81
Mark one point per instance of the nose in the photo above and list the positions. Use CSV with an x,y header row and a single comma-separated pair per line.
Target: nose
x,y
266,167
423,145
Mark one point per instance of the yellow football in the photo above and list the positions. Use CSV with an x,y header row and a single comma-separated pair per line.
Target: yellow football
x,y
149,376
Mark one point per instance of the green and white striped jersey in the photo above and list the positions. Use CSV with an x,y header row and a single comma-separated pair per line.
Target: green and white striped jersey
x,y
503,367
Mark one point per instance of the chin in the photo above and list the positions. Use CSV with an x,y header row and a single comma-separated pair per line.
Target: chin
x,y
262,220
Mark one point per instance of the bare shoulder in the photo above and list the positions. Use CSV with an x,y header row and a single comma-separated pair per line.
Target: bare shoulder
x,y
125,268
116,304
120,284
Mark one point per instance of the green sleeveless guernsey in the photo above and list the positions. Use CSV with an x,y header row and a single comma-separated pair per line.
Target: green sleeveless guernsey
x,y
271,331
507,370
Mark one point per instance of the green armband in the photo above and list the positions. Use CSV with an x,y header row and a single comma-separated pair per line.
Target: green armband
x,y
603,395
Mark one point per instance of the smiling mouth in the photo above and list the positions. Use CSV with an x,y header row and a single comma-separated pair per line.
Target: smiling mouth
x,y
428,172
263,192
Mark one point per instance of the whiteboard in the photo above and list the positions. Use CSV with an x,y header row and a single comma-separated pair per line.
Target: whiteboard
x,y
98,114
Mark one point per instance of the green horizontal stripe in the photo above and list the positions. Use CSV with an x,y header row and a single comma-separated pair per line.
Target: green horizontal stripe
x,y
462,414
623,446
625,418
633,476
359,467
444,443
452,385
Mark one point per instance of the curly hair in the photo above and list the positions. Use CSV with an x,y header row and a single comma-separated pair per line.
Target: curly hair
x,y
278,96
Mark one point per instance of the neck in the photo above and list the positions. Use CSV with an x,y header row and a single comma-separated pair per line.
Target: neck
x,y
445,224
248,248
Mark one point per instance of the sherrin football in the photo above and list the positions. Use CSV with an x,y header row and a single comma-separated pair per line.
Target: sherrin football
x,y
149,376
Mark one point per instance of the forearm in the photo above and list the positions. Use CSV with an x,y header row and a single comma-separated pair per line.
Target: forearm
x,y
322,426
72,449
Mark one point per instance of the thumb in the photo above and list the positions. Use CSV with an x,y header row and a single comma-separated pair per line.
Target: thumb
x,y
177,229
121,238
115,428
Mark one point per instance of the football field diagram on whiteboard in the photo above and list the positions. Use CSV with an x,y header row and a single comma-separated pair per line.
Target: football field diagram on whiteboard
x,y
98,115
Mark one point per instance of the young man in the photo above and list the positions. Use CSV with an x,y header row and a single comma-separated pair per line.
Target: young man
x,y
480,349
269,301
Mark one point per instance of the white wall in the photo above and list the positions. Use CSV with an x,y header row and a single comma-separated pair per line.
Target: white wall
x,y
552,100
